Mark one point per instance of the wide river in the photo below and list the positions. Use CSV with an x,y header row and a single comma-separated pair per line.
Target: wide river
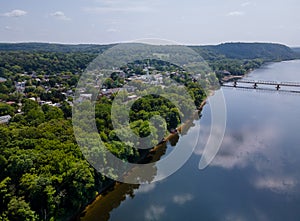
x,y
255,175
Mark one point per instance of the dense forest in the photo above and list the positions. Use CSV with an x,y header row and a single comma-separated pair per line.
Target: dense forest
x,y
240,58
45,58
297,51
57,48
265,51
44,175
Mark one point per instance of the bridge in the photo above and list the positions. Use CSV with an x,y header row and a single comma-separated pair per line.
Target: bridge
x,y
292,87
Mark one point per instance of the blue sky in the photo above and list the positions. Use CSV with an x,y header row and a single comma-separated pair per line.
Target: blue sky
x,y
186,22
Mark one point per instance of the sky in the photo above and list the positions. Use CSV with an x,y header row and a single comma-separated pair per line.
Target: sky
x,y
192,22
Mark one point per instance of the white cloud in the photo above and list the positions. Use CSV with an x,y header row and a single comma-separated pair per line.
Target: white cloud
x,y
15,13
234,217
239,149
123,6
8,28
255,147
154,212
146,188
60,15
12,29
182,199
112,30
112,8
245,4
276,184
248,3
236,13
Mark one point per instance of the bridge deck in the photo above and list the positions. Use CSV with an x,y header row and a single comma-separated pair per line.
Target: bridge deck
x,y
263,89
254,84
288,84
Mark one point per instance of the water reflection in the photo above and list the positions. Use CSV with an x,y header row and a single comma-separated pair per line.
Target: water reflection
x,y
261,151
155,212
145,188
244,147
182,199
257,148
105,203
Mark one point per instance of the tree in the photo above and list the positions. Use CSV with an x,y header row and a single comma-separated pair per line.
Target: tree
x,y
52,112
29,105
67,110
6,109
18,209
5,192
35,117
3,89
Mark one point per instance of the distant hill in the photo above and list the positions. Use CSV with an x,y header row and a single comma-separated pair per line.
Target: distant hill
x,y
297,51
50,47
266,51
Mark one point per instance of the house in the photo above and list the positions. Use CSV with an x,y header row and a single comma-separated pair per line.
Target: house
x,y
5,119
20,86
2,79
109,92
84,97
65,77
70,93
132,97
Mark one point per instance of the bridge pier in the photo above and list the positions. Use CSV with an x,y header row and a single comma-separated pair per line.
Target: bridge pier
x,y
277,87
255,85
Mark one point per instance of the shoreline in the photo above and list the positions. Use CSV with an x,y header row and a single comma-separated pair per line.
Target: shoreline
x,y
231,77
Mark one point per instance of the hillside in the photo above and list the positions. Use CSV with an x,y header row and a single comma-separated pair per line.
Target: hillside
x,y
265,51
297,51
50,47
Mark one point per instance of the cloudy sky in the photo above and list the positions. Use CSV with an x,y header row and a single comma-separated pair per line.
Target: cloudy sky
x,y
186,22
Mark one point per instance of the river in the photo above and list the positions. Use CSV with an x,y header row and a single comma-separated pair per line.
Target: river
x,y
255,175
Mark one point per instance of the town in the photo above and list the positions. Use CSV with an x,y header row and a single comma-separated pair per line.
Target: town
x,y
58,90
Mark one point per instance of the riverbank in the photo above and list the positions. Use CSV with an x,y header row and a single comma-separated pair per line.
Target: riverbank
x,y
231,77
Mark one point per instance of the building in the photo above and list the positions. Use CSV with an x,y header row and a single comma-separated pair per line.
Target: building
x,y
109,92
5,119
84,97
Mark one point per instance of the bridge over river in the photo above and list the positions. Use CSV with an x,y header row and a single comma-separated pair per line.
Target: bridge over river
x,y
292,87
